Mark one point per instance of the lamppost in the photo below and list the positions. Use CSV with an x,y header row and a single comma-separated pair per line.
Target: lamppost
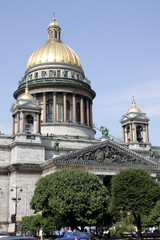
x,y
16,200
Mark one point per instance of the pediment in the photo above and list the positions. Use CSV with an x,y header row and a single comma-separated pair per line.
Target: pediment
x,y
23,104
134,116
29,104
108,153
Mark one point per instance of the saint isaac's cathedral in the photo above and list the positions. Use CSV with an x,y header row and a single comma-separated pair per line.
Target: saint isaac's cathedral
x,y
52,127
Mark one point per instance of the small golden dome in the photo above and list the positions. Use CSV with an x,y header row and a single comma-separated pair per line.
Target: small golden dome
x,y
54,24
26,95
54,51
133,108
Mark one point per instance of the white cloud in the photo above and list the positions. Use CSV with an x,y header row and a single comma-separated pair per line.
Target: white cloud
x,y
147,97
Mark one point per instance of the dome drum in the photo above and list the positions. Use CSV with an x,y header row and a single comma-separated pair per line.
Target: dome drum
x,y
56,85
54,73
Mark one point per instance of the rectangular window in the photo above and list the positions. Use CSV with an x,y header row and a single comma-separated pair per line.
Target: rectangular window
x,y
73,75
66,74
30,77
52,73
58,73
36,75
43,73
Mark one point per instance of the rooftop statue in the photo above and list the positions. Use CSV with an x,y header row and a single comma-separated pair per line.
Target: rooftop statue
x,y
105,131
56,145
151,152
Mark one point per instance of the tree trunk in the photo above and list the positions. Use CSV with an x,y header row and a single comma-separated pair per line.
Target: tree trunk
x,y
138,223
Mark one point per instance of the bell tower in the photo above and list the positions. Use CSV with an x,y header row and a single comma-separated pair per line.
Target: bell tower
x,y
26,114
135,129
26,130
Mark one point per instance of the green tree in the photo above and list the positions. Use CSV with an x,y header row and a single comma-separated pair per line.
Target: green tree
x,y
73,197
25,224
134,190
155,216
31,224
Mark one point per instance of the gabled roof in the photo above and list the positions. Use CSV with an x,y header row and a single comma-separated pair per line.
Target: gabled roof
x,y
134,116
106,153
25,104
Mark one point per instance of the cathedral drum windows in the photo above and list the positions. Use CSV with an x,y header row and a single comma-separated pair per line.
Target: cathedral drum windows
x,y
43,74
36,75
58,73
69,111
52,73
65,74
49,110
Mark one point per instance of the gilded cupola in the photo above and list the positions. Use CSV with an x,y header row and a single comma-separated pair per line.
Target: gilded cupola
x,y
26,95
134,108
54,51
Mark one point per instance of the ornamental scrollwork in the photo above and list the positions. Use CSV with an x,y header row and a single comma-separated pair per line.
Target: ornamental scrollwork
x,y
108,155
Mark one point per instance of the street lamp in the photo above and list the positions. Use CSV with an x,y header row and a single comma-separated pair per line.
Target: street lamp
x,y
16,200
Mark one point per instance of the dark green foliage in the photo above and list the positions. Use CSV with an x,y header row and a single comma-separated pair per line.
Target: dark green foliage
x,y
134,191
31,224
73,197
155,216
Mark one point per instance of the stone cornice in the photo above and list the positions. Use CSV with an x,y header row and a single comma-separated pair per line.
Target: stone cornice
x,y
21,168
4,146
25,168
57,84
16,143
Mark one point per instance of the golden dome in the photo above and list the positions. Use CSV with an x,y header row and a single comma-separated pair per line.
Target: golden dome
x,y
54,24
26,95
54,51
133,108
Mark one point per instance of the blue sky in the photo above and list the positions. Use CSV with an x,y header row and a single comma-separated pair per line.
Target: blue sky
x,y
118,42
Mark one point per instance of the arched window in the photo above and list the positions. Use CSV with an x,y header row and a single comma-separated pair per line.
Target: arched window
x,y
139,133
78,112
49,110
29,120
68,111
128,133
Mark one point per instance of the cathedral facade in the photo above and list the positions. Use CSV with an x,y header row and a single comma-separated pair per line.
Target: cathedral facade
x,y
52,127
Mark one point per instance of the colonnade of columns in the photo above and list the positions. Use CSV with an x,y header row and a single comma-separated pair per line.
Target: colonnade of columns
x,y
129,132
18,123
81,100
